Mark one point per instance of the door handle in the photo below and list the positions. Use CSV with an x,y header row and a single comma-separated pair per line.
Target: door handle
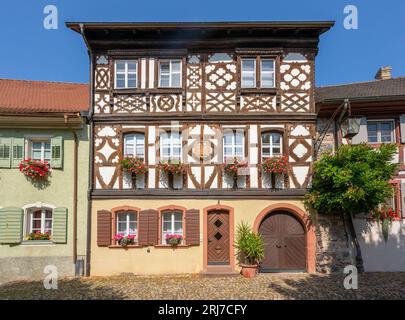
x,y
209,240
278,246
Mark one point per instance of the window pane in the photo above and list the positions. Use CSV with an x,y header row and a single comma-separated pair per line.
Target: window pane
x,y
37,214
36,155
176,80
164,67
120,66
267,80
239,151
48,214
276,151
178,216
265,138
239,137
132,228
131,82
164,80
176,66
248,65
122,227
266,151
276,138
267,65
248,81
48,224
178,227
131,66
228,151
36,223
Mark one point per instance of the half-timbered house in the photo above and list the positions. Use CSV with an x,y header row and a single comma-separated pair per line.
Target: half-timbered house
x,y
200,95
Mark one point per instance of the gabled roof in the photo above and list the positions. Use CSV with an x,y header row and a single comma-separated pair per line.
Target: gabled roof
x,y
28,97
370,90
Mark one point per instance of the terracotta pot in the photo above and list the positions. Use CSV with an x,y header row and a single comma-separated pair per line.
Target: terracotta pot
x,y
249,271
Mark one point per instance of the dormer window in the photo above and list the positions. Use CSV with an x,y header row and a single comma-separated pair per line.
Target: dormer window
x,y
126,74
170,73
257,73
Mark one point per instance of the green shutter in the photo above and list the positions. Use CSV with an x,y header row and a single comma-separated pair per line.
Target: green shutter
x,y
11,222
5,152
59,227
57,152
17,152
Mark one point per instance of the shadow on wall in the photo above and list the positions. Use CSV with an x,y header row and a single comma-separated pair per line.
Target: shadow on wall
x,y
379,255
68,289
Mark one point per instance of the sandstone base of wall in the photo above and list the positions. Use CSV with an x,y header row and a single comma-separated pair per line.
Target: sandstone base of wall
x,y
32,268
333,251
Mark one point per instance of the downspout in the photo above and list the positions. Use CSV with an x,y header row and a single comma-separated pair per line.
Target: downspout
x,y
74,205
90,182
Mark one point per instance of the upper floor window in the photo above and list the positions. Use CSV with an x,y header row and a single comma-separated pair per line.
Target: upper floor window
x,y
170,73
233,144
39,220
271,144
41,150
170,145
265,74
126,74
248,73
127,223
134,145
380,131
172,223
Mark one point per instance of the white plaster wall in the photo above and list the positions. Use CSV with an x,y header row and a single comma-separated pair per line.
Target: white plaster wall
x,y
379,255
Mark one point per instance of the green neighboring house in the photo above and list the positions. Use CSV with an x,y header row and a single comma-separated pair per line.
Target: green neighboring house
x,y
45,122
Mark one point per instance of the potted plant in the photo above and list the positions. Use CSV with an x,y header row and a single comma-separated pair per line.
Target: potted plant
x,y
385,216
135,166
233,167
250,249
173,239
172,168
38,236
34,169
124,240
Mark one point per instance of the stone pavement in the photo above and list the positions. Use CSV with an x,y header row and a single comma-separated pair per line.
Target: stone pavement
x,y
264,286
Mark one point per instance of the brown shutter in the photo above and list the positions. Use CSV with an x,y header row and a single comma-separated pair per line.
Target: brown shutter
x,y
192,227
103,228
148,228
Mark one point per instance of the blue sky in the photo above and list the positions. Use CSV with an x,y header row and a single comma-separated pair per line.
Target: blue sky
x,y
29,51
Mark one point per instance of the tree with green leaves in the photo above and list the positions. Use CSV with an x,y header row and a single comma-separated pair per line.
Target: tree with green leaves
x,y
353,180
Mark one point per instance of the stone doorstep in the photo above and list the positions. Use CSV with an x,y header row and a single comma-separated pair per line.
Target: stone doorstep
x,y
219,271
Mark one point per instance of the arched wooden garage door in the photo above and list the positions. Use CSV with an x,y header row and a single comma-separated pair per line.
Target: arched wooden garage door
x,y
285,243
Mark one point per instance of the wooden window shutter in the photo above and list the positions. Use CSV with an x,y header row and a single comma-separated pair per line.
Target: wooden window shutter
x,y
103,228
402,127
5,152
192,235
148,227
59,228
153,227
362,136
57,152
17,152
11,225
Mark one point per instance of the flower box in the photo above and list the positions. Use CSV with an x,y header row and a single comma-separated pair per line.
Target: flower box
x,y
173,239
38,236
385,216
174,168
276,165
125,240
34,169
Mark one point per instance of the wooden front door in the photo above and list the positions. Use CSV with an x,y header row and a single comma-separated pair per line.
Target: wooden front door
x,y
284,243
218,238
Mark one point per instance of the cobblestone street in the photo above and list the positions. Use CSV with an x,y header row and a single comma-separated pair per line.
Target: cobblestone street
x,y
264,286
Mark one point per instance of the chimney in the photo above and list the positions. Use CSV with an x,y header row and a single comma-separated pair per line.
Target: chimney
x,y
384,73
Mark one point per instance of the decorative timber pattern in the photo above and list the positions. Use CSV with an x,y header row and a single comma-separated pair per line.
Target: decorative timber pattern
x,y
106,156
296,85
300,154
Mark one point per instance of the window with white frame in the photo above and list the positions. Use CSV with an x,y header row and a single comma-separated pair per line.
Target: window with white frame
x,y
170,73
271,144
127,223
248,73
233,143
267,73
172,223
380,131
41,150
134,145
126,74
170,146
39,220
